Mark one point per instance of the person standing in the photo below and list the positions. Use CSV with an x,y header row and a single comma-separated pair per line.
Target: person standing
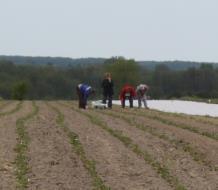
x,y
108,89
83,92
141,95
127,92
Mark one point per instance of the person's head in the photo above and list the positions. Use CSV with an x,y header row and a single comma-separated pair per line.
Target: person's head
x,y
107,75
143,87
146,88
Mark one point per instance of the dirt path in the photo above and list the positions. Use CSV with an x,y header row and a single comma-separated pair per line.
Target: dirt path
x,y
53,165
204,145
8,143
193,175
118,166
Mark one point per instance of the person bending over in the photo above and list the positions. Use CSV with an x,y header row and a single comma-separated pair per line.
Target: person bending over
x,y
83,92
127,92
141,95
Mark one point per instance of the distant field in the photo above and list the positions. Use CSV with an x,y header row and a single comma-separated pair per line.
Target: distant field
x,y
52,145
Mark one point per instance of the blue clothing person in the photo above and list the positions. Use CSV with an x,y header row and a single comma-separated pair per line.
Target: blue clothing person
x,y
83,91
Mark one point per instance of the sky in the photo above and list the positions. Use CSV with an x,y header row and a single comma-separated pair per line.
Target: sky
x,y
140,29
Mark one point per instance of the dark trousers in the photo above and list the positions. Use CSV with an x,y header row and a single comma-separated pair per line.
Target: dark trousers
x,y
82,102
130,101
109,98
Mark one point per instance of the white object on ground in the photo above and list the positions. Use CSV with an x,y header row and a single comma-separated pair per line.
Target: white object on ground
x,y
179,106
98,104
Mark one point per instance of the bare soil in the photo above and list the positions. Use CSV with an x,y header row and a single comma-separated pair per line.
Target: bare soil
x,y
4,104
189,121
8,138
208,120
53,165
207,146
192,174
119,167
8,107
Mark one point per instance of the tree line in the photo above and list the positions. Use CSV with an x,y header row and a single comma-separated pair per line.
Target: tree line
x,y
28,81
68,62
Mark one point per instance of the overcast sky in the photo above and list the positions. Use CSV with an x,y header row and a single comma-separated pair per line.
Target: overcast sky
x,y
139,29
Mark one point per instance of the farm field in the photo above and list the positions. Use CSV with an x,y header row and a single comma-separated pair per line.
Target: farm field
x,y
52,145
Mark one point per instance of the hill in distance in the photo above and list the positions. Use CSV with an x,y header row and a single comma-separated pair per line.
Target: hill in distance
x,y
70,62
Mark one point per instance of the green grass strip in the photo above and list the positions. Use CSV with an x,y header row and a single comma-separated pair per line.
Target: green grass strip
x,y
17,108
196,156
78,148
21,148
162,170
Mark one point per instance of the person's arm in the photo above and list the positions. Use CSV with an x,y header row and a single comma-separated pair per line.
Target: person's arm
x,y
137,90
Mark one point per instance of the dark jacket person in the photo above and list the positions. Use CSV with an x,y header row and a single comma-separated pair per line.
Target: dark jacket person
x,y
108,91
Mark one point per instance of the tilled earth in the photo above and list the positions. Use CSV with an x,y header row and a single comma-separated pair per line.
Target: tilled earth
x,y
121,149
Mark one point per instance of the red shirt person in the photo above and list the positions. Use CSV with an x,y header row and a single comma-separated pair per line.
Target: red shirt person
x,y
127,92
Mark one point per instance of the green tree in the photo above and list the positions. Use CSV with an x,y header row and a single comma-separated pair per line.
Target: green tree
x,y
123,72
19,91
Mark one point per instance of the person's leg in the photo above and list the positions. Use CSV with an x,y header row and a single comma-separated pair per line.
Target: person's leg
x,y
139,102
84,104
81,103
123,103
104,98
79,96
110,101
145,102
131,102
